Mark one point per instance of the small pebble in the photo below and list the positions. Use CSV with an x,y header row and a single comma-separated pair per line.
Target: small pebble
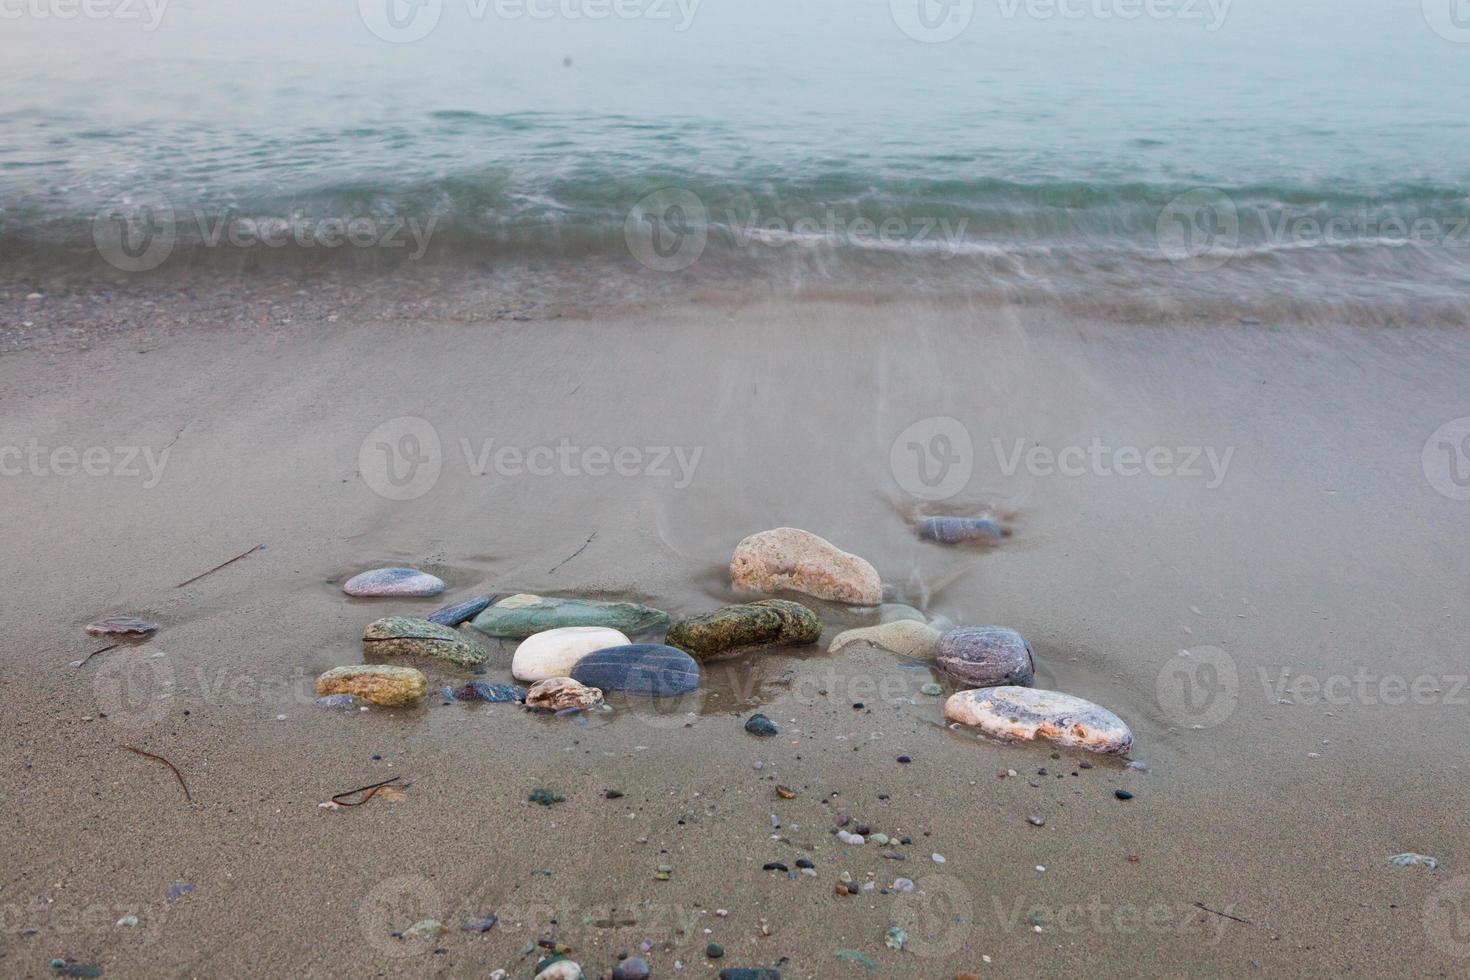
x,y
714,951
937,858
1122,794
905,760
761,726
1036,821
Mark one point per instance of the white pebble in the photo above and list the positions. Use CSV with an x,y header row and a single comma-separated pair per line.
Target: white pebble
x,y
938,858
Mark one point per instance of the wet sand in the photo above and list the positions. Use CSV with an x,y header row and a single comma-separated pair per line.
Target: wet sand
x,y
1324,551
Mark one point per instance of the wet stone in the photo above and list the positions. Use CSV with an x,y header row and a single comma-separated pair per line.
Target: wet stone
x,y
393,582
378,683
650,669
493,693
400,636
122,626
790,559
985,656
954,530
731,629
1024,713
458,612
519,616
760,725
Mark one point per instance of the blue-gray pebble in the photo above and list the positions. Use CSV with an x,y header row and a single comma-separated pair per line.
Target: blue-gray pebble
x,y
651,669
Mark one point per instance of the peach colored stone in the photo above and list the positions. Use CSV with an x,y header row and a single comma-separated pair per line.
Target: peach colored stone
x,y
1027,713
556,693
792,560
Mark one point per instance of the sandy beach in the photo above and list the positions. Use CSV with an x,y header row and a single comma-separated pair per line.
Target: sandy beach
x,y
1254,608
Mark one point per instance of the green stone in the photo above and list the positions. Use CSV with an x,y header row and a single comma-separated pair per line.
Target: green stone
x,y
400,636
767,622
519,616
932,689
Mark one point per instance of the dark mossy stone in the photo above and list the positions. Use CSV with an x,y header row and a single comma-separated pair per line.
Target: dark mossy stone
x,y
401,636
766,622
759,724
456,613
652,669
749,973
494,693
986,656
545,797
953,530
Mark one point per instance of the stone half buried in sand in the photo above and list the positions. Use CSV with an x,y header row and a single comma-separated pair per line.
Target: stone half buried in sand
x,y
766,622
903,636
984,656
1026,713
555,652
122,626
393,582
787,559
400,636
956,530
560,693
650,669
380,684
519,616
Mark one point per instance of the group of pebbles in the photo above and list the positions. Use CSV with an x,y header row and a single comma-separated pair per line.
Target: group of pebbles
x,y
574,651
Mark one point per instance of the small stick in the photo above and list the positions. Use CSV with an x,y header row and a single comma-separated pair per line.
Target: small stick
x,y
1227,915
158,758
575,553
369,790
94,653
219,566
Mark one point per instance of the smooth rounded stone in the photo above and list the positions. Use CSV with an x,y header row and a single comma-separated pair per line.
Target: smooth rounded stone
x,y
632,968
377,683
339,702
985,656
457,612
400,636
519,616
651,669
750,973
561,693
393,581
1027,713
555,652
765,622
893,612
759,724
121,626
493,693
954,530
561,970
904,637
790,559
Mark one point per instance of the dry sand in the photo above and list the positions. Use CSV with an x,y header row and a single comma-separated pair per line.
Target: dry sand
x,y
1324,551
